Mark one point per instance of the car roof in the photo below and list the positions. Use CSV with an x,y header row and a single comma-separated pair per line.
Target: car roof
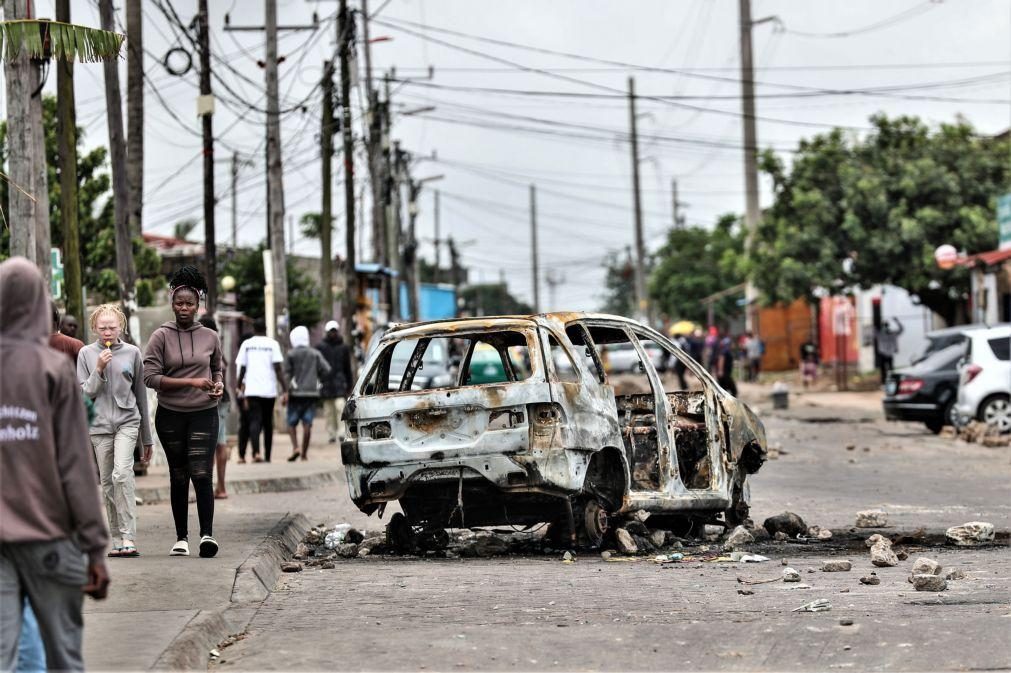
x,y
490,322
957,329
1003,330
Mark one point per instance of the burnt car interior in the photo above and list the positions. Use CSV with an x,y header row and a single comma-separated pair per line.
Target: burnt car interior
x,y
399,364
635,401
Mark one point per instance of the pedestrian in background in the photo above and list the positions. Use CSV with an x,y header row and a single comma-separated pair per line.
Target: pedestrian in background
x,y
69,346
260,379
808,363
183,362
306,369
243,409
69,326
337,384
111,373
221,450
725,365
52,529
754,349
887,343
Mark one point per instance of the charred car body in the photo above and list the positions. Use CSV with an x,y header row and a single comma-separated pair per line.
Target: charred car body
x,y
556,439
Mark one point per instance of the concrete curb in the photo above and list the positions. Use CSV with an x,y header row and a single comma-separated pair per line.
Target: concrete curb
x,y
157,494
254,580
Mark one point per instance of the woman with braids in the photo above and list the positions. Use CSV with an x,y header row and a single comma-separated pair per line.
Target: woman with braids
x,y
183,363
111,373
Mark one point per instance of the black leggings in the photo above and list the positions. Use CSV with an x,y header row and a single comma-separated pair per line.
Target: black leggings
x,y
261,417
243,429
189,439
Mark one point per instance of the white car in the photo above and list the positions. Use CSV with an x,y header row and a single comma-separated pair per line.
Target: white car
x,y
622,358
984,384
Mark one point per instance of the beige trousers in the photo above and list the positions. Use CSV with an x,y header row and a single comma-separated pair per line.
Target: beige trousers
x,y
334,409
114,454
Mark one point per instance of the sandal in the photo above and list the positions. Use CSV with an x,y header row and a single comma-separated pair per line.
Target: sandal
x,y
219,495
128,551
115,552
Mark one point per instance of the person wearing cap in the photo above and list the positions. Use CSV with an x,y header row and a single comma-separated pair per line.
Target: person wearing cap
x,y
337,384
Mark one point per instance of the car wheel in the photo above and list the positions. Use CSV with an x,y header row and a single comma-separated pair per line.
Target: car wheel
x,y
594,523
935,425
996,412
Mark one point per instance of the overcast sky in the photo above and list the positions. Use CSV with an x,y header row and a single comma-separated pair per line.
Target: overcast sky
x,y
935,59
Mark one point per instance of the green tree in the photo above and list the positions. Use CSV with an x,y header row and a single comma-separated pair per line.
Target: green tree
x,y
694,263
619,285
95,217
246,267
492,299
885,202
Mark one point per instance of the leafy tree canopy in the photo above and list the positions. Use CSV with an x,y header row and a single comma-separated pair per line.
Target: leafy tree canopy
x,y
694,263
492,299
304,298
619,285
886,202
96,226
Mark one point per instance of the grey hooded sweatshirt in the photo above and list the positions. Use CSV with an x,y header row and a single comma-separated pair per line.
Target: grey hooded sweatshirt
x,y
118,392
48,489
193,353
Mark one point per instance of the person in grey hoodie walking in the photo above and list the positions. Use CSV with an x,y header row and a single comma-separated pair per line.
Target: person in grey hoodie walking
x,y
111,372
305,368
183,363
52,529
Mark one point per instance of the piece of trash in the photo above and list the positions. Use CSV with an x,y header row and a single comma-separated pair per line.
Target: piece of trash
x,y
741,580
749,558
567,557
819,605
836,566
214,653
872,518
606,554
846,622
336,535
971,534
790,575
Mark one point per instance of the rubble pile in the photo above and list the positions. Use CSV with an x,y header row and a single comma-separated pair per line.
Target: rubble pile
x,y
987,435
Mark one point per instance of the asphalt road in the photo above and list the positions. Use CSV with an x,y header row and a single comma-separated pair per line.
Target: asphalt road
x,y
536,613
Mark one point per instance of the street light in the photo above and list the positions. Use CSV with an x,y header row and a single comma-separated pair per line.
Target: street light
x,y
946,256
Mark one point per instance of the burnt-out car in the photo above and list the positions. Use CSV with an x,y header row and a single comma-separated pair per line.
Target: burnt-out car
x,y
557,438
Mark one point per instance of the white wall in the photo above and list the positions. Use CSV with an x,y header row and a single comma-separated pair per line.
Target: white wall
x,y
916,321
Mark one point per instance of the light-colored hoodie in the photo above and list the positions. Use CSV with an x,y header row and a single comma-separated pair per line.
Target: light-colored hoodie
x,y
118,392
48,489
192,353
304,366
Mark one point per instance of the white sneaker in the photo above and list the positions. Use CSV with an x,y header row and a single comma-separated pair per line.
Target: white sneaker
x,y
180,548
208,546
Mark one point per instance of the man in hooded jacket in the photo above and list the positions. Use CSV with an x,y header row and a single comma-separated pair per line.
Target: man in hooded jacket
x,y
52,528
338,383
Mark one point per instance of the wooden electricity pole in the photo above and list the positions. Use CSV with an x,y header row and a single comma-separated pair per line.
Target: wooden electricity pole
x,y
207,116
135,115
275,179
345,24
117,155
533,249
326,208
641,301
67,132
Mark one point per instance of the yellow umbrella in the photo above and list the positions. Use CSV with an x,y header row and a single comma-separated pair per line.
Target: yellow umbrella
x,y
682,327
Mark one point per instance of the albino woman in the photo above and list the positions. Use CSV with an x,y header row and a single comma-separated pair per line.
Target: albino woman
x,y
111,372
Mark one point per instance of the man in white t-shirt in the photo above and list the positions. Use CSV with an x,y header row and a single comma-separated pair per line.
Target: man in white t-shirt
x,y
260,377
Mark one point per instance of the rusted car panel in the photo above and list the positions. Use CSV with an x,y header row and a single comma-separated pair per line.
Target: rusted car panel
x,y
553,435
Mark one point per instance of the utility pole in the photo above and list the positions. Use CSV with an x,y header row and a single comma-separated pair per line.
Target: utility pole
x,y
641,301
346,25
40,169
135,114
438,240
20,83
411,252
454,260
275,180
373,145
679,220
533,249
117,156
235,201
390,223
67,132
326,207
207,114
751,212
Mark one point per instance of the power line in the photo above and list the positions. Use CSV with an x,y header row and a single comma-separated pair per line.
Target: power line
x,y
901,17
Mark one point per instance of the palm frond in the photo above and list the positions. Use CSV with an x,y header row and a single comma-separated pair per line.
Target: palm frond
x,y
67,41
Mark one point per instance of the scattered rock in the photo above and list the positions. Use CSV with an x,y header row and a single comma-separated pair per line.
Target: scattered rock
x,y
947,432
851,447
954,574
636,527
929,583
567,556
712,532
480,545
901,553
658,538
301,551
871,518
787,523
626,545
836,566
790,575
995,441
346,550
606,555
867,449
780,536
925,566
291,567
845,622
873,540
327,565
738,538
641,515
363,552
971,534
819,605
882,555
872,580
746,592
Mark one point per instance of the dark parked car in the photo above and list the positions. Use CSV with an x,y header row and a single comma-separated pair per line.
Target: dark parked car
x,y
925,391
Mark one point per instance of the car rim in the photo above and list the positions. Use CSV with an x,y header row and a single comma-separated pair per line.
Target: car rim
x,y
998,414
596,521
